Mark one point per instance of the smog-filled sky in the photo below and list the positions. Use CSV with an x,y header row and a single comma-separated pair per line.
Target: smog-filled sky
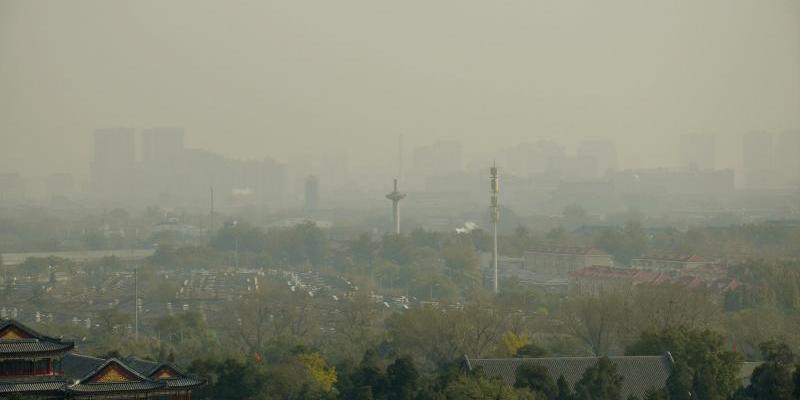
x,y
251,79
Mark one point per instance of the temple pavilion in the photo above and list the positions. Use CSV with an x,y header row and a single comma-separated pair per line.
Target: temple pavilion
x,y
33,365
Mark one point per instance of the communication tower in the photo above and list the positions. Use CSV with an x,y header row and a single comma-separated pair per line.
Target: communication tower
x,y
395,196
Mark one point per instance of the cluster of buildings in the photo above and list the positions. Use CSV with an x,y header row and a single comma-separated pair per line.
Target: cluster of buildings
x,y
165,171
590,270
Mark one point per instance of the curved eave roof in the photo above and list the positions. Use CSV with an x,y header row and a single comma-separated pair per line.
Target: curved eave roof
x,y
126,387
179,383
31,387
22,347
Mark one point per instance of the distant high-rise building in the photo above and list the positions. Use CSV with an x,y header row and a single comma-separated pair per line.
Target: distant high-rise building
x,y
162,156
698,151
789,157
440,157
757,151
114,162
162,146
311,194
758,161
531,159
604,153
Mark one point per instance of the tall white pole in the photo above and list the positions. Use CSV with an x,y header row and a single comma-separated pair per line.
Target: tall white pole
x,y
395,196
495,213
496,290
136,303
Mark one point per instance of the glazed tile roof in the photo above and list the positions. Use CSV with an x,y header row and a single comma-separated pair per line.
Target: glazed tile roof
x,y
32,342
29,346
148,368
641,373
22,386
141,386
78,366
83,374
136,383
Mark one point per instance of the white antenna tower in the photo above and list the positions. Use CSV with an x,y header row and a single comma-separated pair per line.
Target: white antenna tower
x,y
395,196
495,214
136,303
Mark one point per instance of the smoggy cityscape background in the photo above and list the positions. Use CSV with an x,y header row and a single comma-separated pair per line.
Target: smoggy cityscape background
x,y
300,110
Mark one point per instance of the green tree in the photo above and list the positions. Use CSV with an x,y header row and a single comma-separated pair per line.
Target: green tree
x,y
239,236
773,379
600,382
714,370
403,378
531,350
536,379
479,387
679,383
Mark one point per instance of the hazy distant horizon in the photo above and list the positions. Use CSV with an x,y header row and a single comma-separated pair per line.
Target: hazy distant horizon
x,y
276,79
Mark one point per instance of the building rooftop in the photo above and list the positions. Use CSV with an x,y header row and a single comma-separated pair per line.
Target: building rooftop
x,y
17,340
584,251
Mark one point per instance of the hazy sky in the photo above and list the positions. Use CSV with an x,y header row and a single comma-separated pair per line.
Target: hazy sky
x,y
257,78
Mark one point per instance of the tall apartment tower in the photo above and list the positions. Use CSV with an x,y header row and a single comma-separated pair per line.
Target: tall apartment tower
x,y
698,151
311,194
162,146
114,164
788,159
603,152
758,160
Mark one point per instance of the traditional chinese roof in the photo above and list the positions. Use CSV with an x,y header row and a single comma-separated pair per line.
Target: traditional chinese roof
x,y
164,372
18,340
105,376
40,385
640,373
83,374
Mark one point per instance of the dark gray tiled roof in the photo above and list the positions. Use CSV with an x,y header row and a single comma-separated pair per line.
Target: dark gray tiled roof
x,y
144,367
83,368
31,386
148,368
746,372
77,366
183,382
641,373
37,343
32,346
141,386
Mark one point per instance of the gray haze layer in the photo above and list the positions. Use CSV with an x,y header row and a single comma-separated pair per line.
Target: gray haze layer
x,y
251,79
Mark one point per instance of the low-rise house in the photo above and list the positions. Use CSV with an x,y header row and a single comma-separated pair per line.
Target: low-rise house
x,y
560,261
673,264
596,278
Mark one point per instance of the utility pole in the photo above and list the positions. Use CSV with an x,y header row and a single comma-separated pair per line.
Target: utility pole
x,y
495,214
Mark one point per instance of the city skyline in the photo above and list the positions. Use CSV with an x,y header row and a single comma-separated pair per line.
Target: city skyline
x,y
334,82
